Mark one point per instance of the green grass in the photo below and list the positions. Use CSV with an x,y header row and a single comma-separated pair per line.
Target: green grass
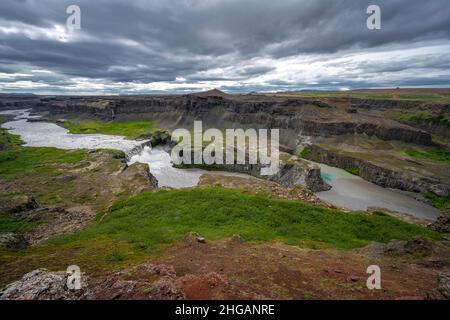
x,y
15,225
438,201
25,160
8,140
130,130
305,152
114,257
151,221
353,170
16,160
430,119
437,154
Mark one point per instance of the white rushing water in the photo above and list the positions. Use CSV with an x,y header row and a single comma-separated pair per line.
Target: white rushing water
x,y
45,134
349,191
160,164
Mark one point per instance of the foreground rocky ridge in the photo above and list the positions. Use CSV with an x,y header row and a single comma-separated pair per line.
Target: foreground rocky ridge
x,y
235,269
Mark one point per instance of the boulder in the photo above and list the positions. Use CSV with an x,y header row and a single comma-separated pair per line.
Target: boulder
x,y
373,250
414,246
396,248
12,241
20,203
418,245
42,284
442,292
152,179
442,224
444,285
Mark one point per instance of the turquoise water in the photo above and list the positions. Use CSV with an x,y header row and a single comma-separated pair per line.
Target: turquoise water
x,y
327,177
354,193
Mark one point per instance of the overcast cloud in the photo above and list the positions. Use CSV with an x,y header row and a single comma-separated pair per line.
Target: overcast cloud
x,y
153,46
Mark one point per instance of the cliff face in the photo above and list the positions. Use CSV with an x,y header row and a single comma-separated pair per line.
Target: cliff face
x,y
296,115
295,174
396,104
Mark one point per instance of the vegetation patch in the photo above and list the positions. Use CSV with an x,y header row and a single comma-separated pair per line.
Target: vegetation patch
x,y
151,221
20,161
15,225
305,152
114,257
437,154
8,140
433,119
438,201
130,130
353,170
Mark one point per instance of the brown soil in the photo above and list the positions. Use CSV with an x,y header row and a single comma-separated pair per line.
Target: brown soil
x,y
234,269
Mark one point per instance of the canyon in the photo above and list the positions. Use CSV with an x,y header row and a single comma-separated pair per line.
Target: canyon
x,y
372,134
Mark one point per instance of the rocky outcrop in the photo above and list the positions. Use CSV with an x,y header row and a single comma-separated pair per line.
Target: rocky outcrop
x,y
155,139
152,179
379,175
444,285
414,246
12,241
442,292
145,281
442,224
18,204
293,174
42,284
315,128
290,174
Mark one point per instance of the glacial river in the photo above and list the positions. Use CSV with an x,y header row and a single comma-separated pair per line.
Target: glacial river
x,y
349,191
354,193
45,134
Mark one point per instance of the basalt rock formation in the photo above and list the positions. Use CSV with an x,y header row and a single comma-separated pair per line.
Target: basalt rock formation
x,y
305,116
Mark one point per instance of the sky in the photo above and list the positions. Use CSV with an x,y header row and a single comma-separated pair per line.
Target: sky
x,y
178,46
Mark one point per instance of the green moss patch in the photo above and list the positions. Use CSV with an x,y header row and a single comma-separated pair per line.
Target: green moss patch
x,y
15,225
353,170
438,201
437,154
21,161
305,152
430,119
130,130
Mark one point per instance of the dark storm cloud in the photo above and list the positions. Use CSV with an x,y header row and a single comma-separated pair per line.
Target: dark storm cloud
x,y
204,40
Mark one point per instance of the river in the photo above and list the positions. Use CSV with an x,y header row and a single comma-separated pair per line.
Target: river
x,y
354,193
349,191
45,134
